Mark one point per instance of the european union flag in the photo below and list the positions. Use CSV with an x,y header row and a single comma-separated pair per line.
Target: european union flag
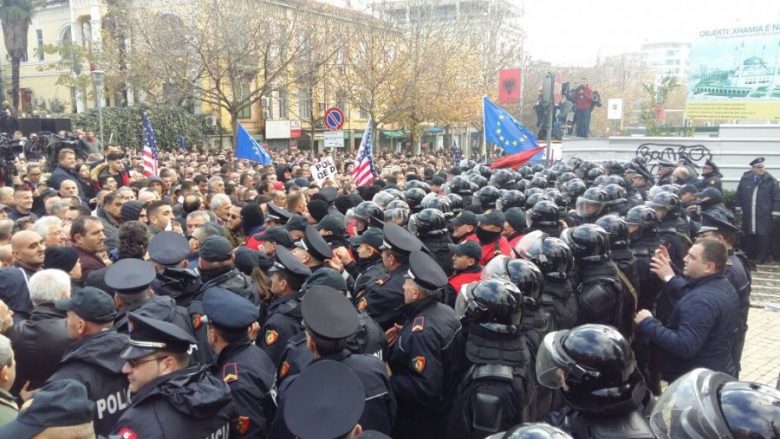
x,y
181,141
247,148
504,130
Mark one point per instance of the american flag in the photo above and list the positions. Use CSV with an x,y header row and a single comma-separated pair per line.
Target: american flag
x,y
456,155
150,148
363,173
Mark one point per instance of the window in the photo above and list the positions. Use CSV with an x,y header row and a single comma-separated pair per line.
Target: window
x,y
284,105
266,104
39,37
304,104
242,92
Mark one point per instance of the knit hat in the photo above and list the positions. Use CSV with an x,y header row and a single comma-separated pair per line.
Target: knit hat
x,y
318,209
343,203
251,217
131,210
62,258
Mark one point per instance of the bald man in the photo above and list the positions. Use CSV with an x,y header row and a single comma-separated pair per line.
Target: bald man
x,y
27,249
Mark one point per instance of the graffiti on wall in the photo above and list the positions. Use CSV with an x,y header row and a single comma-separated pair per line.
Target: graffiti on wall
x,y
652,152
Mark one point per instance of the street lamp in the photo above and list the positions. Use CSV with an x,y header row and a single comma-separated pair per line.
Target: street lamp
x,y
98,80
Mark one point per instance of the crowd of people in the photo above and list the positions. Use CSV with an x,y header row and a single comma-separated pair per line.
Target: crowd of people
x,y
222,298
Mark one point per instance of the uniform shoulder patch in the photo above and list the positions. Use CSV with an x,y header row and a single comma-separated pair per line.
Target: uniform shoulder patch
x,y
126,433
418,324
242,424
362,304
230,373
197,321
712,182
418,364
284,369
271,337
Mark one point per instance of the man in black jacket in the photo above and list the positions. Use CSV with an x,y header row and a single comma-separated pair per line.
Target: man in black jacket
x,y
93,357
758,196
217,266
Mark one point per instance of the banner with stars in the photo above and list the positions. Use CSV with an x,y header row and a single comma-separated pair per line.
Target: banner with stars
x,y
502,129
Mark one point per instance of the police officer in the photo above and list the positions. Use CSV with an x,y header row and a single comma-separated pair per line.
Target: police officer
x,y
498,388
641,181
276,216
758,196
710,176
309,409
131,279
284,315
218,269
93,357
169,398
603,391
168,251
245,368
624,260
384,298
273,237
367,268
599,289
330,321
430,226
703,403
665,169
417,354
313,250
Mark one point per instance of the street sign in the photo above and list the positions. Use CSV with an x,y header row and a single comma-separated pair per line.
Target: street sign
x,y
295,129
557,88
334,118
334,139
615,109
324,170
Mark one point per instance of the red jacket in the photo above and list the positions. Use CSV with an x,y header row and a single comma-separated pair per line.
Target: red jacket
x,y
470,237
584,98
513,242
460,278
489,251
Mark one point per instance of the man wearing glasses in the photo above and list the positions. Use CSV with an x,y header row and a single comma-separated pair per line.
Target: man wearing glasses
x,y
169,398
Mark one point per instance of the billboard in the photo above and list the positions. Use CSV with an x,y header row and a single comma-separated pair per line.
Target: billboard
x,y
734,73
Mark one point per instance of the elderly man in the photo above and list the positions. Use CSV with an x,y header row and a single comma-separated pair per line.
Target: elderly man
x,y
88,237
50,229
8,407
195,220
758,196
69,188
220,205
66,170
40,341
704,324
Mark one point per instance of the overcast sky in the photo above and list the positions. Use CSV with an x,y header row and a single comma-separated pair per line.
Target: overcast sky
x,y
576,32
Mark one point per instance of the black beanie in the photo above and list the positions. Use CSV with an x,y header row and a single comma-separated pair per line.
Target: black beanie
x,y
343,203
318,209
131,210
61,258
251,217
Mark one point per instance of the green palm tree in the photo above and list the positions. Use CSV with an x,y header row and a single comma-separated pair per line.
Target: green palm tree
x,y
15,16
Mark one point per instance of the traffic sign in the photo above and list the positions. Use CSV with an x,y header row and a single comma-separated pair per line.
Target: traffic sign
x,y
334,118
334,139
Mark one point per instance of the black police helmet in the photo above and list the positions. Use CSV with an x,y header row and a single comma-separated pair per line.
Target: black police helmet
x,y
534,198
456,203
575,188
617,229
544,213
488,196
668,201
428,222
528,278
539,181
414,197
459,185
509,199
432,201
419,184
552,256
496,305
485,171
502,179
588,242
365,210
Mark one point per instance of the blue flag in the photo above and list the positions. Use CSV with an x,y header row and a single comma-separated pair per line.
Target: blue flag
x,y
502,129
456,155
181,141
247,148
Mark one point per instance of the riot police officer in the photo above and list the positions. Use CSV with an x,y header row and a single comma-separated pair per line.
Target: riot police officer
x,y
498,387
599,289
603,392
430,226
625,261
417,353
703,403
284,317
245,368
384,299
93,357
169,398
545,216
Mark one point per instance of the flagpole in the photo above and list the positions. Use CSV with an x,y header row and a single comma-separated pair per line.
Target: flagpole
x,y
484,127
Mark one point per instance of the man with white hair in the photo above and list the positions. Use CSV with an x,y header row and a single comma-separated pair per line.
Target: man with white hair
x,y
50,229
40,341
220,205
8,408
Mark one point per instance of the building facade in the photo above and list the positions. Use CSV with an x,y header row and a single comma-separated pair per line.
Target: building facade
x,y
667,59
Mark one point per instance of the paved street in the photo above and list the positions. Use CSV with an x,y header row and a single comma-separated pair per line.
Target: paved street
x,y
761,355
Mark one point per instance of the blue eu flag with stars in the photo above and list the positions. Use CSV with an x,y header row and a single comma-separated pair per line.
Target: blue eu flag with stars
x,y
502,129
247,148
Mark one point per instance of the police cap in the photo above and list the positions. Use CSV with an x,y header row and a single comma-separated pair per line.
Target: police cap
x,y
149,335
329,194
712,222
297,222
315,244
215,248
277,214
663,163
130,276
399,239
168,248
758,162
309,409
91,304
286,261
59,403
332,223
469,248
425,271
278,235
373,237
494,218
228,311
465,217
328,313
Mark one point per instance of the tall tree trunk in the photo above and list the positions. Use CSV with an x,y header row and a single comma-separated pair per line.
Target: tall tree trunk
x,y
15,63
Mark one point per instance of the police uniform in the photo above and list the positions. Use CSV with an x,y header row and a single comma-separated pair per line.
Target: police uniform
x,y
367,271
183,285
417,360
245,368
330,316
710,177
94,359
759,199
284,314
665,164
384,299
276,216
309,408
187,403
